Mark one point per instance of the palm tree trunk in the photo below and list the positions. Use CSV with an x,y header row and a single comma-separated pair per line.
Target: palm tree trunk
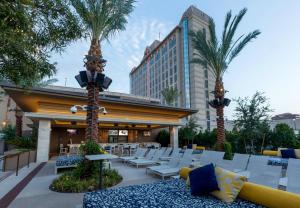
x,y
93,66
219,94
19,121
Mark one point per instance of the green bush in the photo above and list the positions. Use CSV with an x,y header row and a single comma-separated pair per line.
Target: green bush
x,y
284,136
9,132
228,151
25,142
163,138
206,138
68,182
90,148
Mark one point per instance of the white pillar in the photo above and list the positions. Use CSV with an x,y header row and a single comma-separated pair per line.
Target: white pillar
x,y
43,143
174,136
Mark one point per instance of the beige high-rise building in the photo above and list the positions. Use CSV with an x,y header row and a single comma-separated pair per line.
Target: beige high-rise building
x,y
167,63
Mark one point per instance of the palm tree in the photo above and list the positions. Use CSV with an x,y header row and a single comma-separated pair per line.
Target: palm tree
x,y
217,55
101,19
170,94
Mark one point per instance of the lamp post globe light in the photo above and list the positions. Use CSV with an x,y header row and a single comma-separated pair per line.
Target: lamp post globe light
x,y
95,81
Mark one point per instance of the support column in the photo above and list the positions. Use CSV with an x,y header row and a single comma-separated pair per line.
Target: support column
x,y
173,136
43,143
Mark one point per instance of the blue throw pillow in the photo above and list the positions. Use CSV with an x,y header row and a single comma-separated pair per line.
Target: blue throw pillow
x,y
203,180
189,146
288,153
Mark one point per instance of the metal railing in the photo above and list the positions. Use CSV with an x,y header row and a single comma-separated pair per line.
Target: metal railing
x,y
16,161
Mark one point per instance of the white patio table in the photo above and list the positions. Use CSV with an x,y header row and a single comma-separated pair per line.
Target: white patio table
x,y
101,158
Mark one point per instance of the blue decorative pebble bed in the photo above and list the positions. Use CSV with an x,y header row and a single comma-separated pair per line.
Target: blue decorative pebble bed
x,y
164,194
66,160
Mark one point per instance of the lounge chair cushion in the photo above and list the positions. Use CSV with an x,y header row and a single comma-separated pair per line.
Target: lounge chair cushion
x,y
279,151
288,153
230,184
203,180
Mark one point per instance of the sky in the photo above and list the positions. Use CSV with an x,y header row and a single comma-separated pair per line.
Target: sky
x,y
269,64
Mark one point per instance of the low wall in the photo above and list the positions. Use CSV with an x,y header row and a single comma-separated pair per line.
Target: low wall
x,y
18,160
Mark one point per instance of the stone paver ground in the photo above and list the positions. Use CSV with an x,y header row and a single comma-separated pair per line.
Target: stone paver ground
x,y
37,194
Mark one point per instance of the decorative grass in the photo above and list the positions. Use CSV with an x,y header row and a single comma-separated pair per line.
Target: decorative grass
x,y
69,183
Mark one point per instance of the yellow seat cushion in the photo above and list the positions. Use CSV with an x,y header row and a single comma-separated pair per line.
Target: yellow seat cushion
x,y
279,151
270,152
297,152
229,183
269,197
200,148
184,172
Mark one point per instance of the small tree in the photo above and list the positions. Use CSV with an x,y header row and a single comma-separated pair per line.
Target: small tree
x,y
170,94
284,136
163,138
30,31
251,119
188,132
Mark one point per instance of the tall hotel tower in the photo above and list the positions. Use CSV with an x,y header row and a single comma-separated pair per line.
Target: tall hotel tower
x,y
167,63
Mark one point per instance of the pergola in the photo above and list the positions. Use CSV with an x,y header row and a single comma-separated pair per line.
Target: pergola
x,y
49,108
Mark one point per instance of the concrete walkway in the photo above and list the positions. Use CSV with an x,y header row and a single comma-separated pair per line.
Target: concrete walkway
x,y
37,194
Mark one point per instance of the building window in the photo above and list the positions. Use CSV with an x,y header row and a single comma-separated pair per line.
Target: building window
x,y
206,73
206,94
186,66
206,83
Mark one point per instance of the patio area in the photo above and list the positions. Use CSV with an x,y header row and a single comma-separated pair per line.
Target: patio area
x,y
37,193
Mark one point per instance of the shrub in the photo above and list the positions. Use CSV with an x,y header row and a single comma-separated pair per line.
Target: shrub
x,y
163,138
68,182
90,148
228,151
25,142
9,132
284,136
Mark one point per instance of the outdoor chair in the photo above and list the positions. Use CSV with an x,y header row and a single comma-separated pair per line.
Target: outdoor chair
x,y
174,170
167,152
175,153
63,150
208,157
293,172
144,162
148,156
258,171
140,152
237,164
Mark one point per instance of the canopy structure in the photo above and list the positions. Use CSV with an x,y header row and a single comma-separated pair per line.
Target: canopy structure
x,y
49,109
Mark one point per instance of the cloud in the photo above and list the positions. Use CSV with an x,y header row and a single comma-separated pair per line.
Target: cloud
x,y
124,51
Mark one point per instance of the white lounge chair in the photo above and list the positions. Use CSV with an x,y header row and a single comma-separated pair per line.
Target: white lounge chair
x,y
144,162
167,152
293,173
208,157
258,171
237,164
175,153
140,152
148,157
171,171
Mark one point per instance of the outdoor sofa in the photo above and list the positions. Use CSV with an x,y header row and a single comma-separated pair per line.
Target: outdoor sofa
x,y
175,193
67,161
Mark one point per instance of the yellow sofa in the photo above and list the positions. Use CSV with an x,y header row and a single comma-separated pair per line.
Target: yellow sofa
x,y
270,152
278,152
263,195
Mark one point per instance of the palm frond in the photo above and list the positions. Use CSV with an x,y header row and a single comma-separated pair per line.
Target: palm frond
x,y
214,55
239,47
103,18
